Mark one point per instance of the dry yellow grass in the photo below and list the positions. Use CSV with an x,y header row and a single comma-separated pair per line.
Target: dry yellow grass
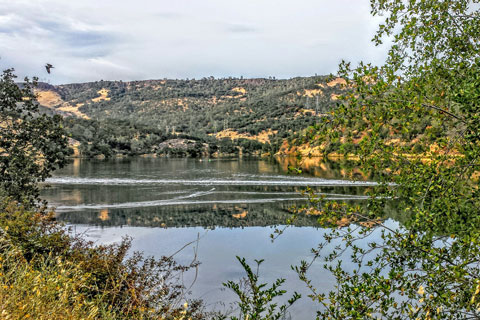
x,y
52,100
310,93
103,95
337,81
240,90
52,290
49,99
263,137
73,110
334,96
303,112
183,103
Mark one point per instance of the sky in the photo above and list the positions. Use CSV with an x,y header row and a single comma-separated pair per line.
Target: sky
x,y
91,40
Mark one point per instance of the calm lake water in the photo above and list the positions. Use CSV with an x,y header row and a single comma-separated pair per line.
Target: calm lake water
x,y
233,205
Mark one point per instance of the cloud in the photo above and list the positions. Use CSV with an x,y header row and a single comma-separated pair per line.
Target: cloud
x,y
63,34
241,28
9,23
108,64
168,15
66,34
90,40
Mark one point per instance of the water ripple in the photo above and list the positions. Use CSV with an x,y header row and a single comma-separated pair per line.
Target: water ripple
x,y
161,203
207,182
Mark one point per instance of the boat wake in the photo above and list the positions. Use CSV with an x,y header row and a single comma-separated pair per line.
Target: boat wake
x,y
207,182
183,201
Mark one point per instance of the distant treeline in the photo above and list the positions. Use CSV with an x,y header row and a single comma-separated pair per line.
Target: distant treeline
x,y
111,137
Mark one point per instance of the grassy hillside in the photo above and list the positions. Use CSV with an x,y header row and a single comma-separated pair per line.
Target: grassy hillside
x,y
229,115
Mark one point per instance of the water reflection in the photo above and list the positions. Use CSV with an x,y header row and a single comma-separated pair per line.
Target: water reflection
x,y
165,203
327,169
192,193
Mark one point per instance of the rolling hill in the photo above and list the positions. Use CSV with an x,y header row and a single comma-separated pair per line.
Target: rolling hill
x,y
223,115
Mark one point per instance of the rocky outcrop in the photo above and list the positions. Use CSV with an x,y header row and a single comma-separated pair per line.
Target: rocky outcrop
x,y
183,148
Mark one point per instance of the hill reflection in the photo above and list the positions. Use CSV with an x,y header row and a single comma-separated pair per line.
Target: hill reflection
x,y
191,215
158,192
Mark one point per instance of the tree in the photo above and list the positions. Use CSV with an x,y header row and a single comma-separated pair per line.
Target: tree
x,y
32,145
75,278
429,266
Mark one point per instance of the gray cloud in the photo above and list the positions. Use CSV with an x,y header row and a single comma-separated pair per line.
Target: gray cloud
x,y
90,40
72,38
11,24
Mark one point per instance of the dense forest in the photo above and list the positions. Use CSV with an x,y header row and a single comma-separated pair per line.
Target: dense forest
x,y
189,117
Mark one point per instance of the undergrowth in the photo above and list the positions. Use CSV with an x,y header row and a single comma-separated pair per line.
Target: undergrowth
x,y
47,274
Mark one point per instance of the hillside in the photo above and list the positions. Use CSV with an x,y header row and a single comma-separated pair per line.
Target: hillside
x,y
229,115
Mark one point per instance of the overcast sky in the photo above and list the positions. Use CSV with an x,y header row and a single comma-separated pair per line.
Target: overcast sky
x,y
91,40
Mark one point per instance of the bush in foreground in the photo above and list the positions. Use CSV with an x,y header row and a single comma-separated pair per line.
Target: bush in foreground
x,y
47,274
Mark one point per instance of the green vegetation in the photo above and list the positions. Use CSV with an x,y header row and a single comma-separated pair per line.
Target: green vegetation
x,y
134,117
31,145
414,121
46,273
110,137
256,300
429,91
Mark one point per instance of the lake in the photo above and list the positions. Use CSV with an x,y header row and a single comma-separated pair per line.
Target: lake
x,y
231,205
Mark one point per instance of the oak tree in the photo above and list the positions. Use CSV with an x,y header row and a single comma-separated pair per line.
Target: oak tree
x,y
32,144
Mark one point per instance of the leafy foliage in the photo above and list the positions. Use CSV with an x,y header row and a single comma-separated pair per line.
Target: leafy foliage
x,y
31,145
256,301
428,267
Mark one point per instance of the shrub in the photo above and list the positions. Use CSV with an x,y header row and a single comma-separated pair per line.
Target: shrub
x,y
43,268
